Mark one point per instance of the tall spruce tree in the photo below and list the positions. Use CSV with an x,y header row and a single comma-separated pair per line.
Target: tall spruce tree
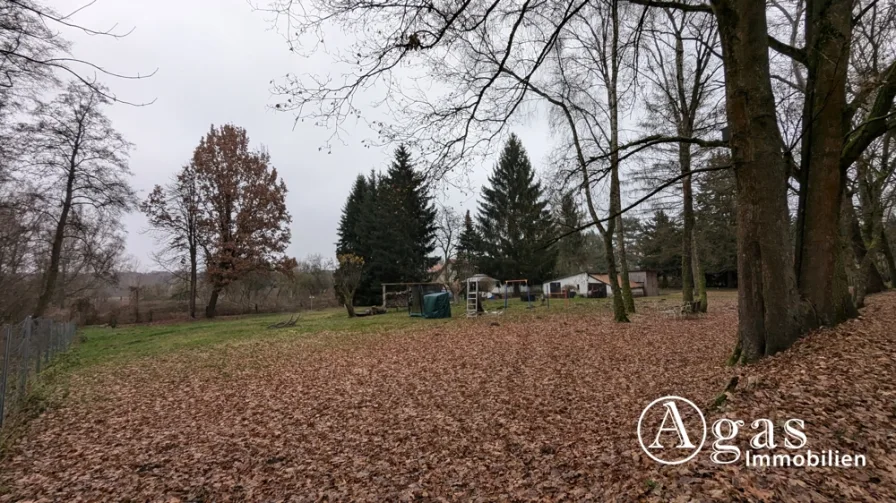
x,y
468,243
373,233
389,221
514,221
408,222
656,244
716,214
468,249
359,234
572,255
349,224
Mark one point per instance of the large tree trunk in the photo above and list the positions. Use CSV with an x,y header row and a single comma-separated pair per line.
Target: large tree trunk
x,y
350,308
769,309
194,281
211,310
52,273
615,196
625,284
699,279
685,129
868,277
687,238
879,231
828,28
619,309
61,280
607,235
888,256
866,237
619,312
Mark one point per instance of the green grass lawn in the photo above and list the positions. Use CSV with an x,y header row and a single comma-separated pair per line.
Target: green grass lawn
x,y
104,344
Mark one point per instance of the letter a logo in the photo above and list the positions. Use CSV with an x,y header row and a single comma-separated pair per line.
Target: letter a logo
x,y
677,427
672,422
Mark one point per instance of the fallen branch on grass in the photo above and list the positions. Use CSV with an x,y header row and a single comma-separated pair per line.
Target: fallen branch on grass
x,y
283,324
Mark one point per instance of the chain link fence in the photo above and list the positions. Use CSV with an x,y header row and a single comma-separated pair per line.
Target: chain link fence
x,y
26,348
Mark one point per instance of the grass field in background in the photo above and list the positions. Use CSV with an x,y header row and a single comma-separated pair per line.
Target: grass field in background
x,y
101,344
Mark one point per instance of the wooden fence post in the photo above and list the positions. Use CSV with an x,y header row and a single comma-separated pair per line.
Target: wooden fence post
x,y
26,350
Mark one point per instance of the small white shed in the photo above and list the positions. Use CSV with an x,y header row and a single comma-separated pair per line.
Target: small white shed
x,y
589,284
489,285
582,283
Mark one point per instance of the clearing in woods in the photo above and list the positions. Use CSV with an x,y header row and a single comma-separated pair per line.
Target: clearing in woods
x,y
541,406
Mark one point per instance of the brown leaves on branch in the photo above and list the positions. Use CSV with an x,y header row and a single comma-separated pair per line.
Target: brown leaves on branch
x,y
242,204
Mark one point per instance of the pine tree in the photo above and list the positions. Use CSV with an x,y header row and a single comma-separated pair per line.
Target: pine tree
x,y
571,253
716,214
656,243
409,222
514,221
389,221
468,249
349,238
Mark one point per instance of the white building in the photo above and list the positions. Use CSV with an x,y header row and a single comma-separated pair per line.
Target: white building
x,y
489,286
589,284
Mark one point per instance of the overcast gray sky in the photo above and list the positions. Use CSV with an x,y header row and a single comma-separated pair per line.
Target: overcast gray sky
x,y
215,61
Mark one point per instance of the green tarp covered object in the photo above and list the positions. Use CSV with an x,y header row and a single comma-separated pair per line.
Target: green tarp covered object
x,y
437,305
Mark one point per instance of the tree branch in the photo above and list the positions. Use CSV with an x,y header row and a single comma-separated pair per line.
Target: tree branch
x,y
650,194
658,139
858,140
790,51
674,5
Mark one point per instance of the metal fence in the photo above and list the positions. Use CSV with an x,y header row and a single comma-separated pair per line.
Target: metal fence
x,y
25,349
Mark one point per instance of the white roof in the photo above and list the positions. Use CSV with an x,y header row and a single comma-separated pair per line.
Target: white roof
x,y
480,277
569,276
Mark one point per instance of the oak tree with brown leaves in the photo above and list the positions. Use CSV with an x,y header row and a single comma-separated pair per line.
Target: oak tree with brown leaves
x,y
242,210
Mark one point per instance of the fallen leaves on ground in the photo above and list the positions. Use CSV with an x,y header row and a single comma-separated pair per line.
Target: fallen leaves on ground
x,y
542,409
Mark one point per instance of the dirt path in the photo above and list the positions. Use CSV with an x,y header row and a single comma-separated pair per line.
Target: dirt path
x,y
542,410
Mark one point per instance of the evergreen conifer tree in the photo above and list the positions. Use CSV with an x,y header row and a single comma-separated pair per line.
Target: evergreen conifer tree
x,y
408,222
468,249
572,255
373,233
390,222
514,222
348,231
655,243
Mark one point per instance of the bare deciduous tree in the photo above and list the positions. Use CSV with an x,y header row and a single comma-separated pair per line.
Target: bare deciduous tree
x,y
683,70
173,213
347,278
20,250
82,163
91,254
33,52
447,238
